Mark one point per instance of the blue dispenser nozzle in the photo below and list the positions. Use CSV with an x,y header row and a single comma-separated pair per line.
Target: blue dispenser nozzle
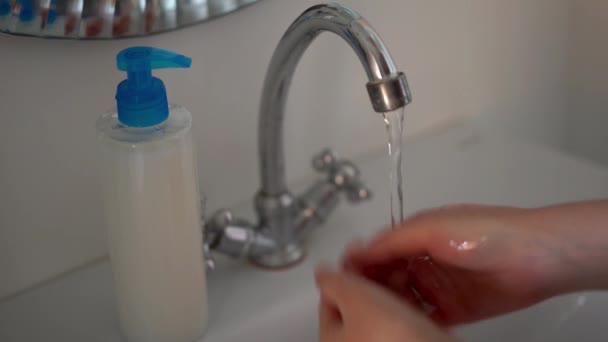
x,y
141,98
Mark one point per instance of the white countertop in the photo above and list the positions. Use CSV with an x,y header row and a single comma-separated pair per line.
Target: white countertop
x,y
456,165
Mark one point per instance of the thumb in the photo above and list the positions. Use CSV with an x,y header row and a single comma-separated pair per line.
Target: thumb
x,y
343,290
348,293
362,308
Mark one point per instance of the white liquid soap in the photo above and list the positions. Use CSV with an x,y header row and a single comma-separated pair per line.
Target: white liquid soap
x,y
152,206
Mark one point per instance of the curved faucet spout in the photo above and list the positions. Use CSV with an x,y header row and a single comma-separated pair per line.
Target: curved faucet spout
x,y
277,240
387,86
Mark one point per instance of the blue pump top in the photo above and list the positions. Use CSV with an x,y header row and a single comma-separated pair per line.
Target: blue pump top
x,y
141,98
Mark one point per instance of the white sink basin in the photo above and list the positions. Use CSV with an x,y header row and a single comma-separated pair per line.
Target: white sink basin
x,y
251,305
563,319
286,308
292,319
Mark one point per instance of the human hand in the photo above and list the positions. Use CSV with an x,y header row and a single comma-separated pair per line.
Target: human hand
x,y
353,309
468,262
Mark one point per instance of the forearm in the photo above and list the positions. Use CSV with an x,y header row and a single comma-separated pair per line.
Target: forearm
x,y
577,239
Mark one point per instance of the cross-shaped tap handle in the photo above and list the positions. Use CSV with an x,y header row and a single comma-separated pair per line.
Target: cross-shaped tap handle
x,y
342,173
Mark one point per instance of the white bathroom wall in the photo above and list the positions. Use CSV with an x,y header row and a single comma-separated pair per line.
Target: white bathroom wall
x,y
500,59
587,119
518,65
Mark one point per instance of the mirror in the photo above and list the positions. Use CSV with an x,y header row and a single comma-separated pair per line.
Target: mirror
x,y
107,19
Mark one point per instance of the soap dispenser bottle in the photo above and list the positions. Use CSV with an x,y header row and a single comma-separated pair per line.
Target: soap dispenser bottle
x,y
152,205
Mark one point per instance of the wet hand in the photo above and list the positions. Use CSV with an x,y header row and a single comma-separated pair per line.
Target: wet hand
x,y
468,262
353,309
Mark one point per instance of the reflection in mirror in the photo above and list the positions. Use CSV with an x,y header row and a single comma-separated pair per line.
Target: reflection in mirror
x,y
107,19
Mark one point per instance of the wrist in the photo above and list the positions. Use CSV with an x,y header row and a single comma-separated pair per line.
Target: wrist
x,y
573,255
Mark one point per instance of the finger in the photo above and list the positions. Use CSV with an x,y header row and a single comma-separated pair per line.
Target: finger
x,y
330,321
428,281
329,313
334,289
389,274
350,294
363,305
407,241
399,282
410,297
346,291
441,318
437,287
392,276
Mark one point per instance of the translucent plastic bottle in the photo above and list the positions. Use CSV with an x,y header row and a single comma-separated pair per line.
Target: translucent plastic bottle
x,y
152,206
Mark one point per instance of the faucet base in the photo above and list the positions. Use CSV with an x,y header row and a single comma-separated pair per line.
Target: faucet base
x,y
283,258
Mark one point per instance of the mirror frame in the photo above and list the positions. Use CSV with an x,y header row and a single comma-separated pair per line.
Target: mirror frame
x,y
108,19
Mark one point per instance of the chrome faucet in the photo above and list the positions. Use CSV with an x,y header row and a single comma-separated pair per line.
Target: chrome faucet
x,y
277,239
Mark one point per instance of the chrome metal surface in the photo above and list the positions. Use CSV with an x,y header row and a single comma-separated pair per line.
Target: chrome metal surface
x,y
387,95
106,19
235,238
366,43
284,218
269,243
284,257
209,260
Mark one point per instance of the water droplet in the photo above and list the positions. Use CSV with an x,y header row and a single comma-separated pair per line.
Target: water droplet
x,y
465,246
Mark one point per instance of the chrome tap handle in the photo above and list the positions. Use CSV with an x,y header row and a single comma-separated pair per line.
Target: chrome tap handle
x,y
324,161
235,237
358,192
209,260
207,256
343,174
